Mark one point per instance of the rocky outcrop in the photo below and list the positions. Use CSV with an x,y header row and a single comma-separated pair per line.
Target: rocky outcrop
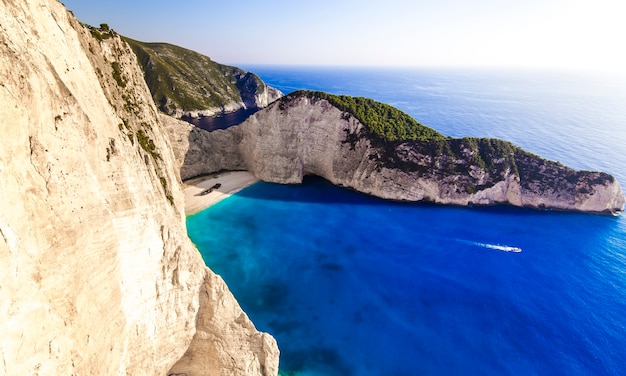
x,y
226,342
254,92
301,134
98,274
187,84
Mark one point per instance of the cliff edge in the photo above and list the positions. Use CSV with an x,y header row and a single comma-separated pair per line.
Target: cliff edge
x,y
99,276
392,157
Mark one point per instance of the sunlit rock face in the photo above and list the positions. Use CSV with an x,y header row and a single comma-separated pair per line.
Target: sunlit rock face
x,y
301,135
99,276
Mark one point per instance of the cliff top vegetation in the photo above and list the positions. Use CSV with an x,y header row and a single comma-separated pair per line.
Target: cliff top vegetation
x,y
381,119
182,79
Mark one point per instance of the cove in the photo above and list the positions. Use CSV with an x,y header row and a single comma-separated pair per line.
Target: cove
x,y
354,285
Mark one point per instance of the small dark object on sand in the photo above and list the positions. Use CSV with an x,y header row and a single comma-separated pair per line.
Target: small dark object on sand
x,y
209,190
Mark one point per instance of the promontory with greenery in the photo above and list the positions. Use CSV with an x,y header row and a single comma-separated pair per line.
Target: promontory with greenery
x,y
391,140
382,119
182,80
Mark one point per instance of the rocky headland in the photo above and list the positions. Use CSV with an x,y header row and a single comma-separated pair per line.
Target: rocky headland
x,y
319,134
184,83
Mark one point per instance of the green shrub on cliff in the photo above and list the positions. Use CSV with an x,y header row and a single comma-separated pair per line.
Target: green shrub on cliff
x,y
102,33
117,74
381,119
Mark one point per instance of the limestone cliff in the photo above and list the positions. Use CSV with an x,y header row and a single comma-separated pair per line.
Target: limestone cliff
x,y
98,274
303,134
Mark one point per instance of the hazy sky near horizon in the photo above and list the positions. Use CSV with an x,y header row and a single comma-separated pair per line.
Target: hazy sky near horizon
x,y
565,34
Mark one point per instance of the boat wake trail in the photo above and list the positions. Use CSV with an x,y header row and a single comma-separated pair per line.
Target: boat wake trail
x,y
504,248
498,247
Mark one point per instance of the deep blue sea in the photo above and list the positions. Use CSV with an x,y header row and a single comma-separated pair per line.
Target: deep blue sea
x,y
353,285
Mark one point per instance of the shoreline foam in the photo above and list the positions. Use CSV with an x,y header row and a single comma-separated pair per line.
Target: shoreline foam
x,y
231,183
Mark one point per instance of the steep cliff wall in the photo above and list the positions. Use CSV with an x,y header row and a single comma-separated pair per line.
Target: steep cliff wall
x,y
99,276
302,134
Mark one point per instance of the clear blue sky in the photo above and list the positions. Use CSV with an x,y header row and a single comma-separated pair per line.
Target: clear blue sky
x,y
571,34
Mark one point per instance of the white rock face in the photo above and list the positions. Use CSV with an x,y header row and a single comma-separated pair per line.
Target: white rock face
x,y
99,276
299,136
264,97
304,136
209,112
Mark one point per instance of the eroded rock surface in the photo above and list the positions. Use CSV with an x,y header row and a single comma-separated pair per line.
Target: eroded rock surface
x,y
300,135
98,274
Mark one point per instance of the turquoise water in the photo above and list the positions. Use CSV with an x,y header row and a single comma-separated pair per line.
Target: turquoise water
x,y
354,285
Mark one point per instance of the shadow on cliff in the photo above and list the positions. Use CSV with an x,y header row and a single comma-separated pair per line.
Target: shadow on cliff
x,y
209,147
315,189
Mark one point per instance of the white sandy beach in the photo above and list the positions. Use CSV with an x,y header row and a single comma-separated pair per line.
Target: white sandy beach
x,y
231,182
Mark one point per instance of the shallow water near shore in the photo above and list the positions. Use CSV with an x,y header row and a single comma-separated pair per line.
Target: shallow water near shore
x,y
354,285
